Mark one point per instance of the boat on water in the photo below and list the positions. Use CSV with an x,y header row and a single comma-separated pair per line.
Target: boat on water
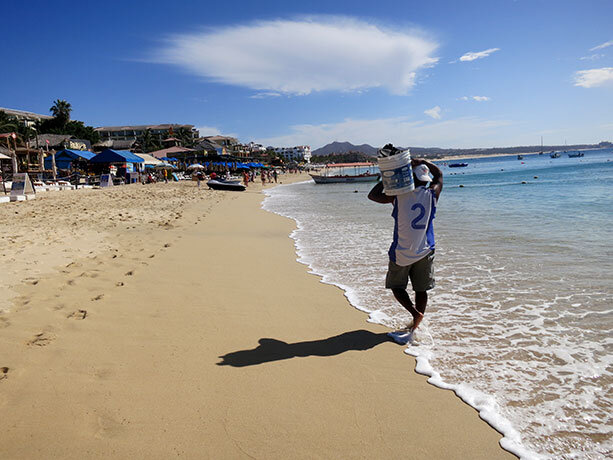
x,y
457,165
554,154
520,157
576,155
541,152
231,185
346,172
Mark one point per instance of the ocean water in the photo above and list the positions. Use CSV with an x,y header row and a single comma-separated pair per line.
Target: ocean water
x,y
520,322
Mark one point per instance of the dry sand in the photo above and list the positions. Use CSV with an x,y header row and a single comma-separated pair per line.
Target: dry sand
x,y
162,320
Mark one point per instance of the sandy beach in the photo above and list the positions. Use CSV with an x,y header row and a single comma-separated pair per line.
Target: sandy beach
x,y
166,320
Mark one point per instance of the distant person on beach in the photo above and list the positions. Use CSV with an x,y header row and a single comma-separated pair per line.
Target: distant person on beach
x,y
411,255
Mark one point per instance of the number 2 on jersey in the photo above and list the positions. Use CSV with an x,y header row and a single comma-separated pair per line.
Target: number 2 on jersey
x,y
422,212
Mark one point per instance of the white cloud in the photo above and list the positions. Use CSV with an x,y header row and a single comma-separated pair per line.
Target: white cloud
x,y
591,57
208,131
594,77
471,56
604,45
265,95
461,132
475,98
434,112
303,56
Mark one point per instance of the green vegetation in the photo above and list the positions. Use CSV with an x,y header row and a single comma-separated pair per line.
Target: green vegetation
x,y
148,142
59,124
62,124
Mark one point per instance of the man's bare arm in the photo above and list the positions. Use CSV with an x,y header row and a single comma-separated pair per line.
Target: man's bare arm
x,y
377,195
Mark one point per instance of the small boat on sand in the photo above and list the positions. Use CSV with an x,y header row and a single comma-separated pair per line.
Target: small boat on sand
x,y
346,172
231,185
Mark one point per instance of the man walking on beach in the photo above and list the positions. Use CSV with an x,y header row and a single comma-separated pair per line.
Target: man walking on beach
x,y
412,251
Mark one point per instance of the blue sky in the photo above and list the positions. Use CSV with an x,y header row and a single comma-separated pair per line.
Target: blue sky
x,y
437,73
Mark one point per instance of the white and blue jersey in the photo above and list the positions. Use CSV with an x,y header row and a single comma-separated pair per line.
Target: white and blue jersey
x,y
413,231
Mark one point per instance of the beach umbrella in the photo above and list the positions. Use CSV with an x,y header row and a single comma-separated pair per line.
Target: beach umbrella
x,y
195,166
165,166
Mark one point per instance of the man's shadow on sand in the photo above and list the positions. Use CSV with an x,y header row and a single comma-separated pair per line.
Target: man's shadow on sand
x,y
275,350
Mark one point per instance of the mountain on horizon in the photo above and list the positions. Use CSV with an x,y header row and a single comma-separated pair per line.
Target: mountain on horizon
x,y
340,148
345,147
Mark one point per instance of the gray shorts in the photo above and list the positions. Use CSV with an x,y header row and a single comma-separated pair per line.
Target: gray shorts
x,y
421,274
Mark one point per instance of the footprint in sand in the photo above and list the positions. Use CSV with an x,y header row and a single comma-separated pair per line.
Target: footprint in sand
x,y
130,273
98,297
119,283
152,256
4,373
79,314
41,339
4,322
167,245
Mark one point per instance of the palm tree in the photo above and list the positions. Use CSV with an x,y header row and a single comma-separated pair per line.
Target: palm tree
x,y
61,111
8,124
148,142
186,137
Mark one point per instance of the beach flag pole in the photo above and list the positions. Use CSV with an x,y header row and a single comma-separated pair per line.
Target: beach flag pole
x,y
14,153
52,161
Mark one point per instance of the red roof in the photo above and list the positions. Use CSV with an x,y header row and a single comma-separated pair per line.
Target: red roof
x,y
169,151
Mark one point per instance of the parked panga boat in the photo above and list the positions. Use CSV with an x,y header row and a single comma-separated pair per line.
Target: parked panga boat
x,y
346,172
226,185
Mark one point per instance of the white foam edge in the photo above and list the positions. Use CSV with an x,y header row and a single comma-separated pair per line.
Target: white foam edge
x,y
484,404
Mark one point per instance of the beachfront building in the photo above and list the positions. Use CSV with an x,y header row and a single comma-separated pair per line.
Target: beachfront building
x,y
133,132
229,145
297,154
210,147
114,145
28,118
59,142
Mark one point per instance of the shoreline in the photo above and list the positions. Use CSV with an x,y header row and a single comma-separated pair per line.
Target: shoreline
x,y
203,336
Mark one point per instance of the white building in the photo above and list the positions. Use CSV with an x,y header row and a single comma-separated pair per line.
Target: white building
x,y
255,148
298,153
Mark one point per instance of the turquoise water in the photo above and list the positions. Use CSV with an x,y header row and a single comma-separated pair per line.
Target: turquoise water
x,y
520,322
